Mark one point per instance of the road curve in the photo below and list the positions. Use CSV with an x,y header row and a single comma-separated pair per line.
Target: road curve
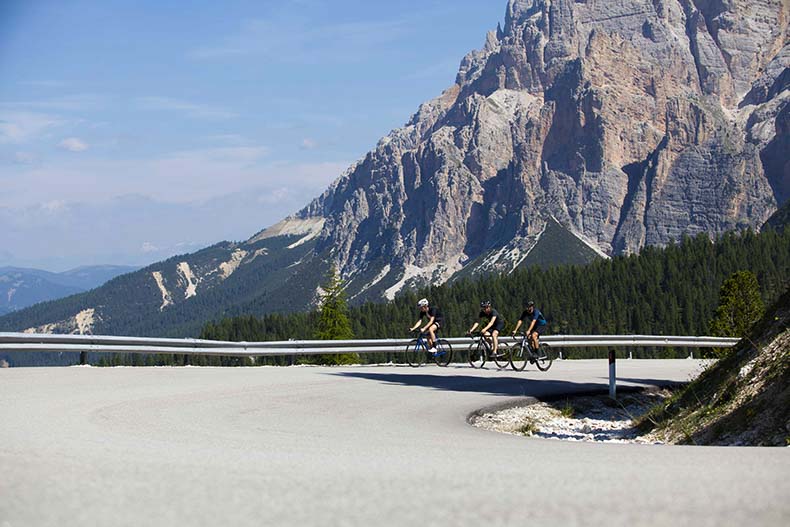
x,y
350,446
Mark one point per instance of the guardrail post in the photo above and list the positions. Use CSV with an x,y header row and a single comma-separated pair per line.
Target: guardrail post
x,y
83,358
612,376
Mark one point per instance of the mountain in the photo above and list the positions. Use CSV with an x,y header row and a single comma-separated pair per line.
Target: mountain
x,y
581,129
20,287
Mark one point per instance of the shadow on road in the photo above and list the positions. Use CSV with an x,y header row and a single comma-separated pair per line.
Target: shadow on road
x,y
505,386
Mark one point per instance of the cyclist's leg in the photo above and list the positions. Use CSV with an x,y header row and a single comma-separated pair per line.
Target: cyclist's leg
x,y
534,337
495,343
432,335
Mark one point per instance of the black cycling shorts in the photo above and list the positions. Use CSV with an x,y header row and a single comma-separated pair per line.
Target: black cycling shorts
x,y
540,330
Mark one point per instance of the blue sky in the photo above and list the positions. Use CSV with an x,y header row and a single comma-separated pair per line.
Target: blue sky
x,y
134,130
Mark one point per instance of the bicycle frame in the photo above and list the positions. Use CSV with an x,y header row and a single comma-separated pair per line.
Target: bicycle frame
x,y
418,352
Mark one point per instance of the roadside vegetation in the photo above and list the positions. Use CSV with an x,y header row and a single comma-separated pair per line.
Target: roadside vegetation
x,y
742,399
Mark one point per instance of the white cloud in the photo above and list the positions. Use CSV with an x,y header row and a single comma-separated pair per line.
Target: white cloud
x,y
54,206
182,176
289,39
309,144
148,247
66,103
43,83
24,158
196,111
21,127
73,144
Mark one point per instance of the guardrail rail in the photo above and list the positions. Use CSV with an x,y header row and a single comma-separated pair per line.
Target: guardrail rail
x,y
36,342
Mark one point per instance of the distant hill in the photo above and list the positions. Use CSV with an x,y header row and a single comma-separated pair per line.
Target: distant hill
x,y
20,288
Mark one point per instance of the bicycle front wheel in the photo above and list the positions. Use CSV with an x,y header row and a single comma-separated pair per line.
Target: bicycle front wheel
x,y
444,353
477,355
415,354
502,356
544,357
518,357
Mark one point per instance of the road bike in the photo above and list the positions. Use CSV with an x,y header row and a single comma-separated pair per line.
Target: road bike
x,y
521,353
480,351
417,352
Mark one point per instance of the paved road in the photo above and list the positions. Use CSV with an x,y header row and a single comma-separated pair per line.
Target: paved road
x,y
350,446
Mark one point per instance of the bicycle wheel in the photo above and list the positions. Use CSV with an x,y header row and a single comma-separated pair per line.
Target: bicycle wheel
x,y
415,354
477,355
502,356
518,357
543,358
444,353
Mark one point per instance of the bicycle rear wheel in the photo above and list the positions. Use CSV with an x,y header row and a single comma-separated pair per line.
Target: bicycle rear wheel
x,y
502,356
518,357
477,355
444,353
415,354
544,357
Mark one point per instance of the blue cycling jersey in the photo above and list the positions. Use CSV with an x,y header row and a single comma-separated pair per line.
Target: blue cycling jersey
x,y
536,315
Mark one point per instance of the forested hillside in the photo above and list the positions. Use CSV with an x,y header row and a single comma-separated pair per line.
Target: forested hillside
x,y
669,291
662,291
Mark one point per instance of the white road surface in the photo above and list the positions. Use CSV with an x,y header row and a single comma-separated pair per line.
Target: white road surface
x,y
350,446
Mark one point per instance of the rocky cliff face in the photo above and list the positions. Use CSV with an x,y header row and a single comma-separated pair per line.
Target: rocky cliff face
x,y
630,123
581,127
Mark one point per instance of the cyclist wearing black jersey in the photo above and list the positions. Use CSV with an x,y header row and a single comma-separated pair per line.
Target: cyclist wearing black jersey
x,y
537,324
435,321
495,323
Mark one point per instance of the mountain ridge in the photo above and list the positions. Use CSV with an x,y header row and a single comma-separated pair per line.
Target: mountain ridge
x,y
21,287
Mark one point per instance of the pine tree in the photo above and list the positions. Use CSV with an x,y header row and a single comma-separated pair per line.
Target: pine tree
x,y
740,306
333,322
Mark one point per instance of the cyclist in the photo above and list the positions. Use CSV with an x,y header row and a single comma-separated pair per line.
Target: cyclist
x,y
495,323
537,324
435,321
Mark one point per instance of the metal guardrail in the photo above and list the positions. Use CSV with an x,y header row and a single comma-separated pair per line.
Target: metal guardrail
x,y
33,342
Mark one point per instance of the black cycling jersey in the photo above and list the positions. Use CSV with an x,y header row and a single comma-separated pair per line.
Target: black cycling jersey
x,y
499,324
434,312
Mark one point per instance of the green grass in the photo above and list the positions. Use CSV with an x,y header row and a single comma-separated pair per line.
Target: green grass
x,y
529,428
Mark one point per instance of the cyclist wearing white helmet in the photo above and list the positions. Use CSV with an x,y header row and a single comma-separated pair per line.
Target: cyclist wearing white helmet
x,y
495,323
435,321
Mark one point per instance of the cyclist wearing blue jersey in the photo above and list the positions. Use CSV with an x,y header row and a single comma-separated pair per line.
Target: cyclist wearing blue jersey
x,y
537,324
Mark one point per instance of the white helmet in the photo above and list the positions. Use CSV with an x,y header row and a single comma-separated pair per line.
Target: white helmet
x,y
422,303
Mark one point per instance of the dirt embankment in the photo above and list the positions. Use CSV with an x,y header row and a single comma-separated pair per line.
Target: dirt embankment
x,y
743,399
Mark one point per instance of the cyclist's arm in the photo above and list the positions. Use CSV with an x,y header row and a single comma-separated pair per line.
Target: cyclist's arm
x,y
430,322
490,324
416,325
531,325
473,327
518,325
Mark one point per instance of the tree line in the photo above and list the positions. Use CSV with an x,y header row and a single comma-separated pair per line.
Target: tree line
x,y
672,290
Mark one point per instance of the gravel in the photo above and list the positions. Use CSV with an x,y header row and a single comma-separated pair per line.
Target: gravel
x,y
589,418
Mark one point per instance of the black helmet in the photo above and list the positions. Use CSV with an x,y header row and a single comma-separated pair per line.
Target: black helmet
x,y
530,303
485,303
